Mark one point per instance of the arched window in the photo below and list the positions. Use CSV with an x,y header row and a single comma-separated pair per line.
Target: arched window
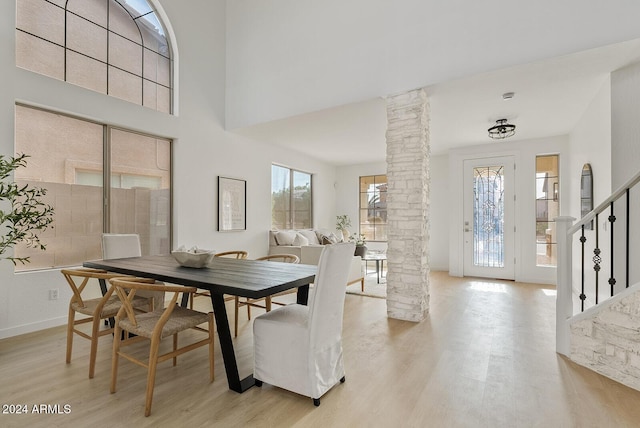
x,y
115,47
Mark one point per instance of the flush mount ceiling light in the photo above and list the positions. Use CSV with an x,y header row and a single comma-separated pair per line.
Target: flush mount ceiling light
x,y
508,95
502,130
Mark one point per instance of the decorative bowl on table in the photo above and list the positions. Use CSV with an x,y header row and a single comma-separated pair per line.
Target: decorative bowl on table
x,y
193,258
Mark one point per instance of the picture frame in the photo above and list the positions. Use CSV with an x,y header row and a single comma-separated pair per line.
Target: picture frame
x,y
232,204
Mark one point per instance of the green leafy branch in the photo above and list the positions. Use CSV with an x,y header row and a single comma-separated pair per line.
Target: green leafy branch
x,y
28,215
342,222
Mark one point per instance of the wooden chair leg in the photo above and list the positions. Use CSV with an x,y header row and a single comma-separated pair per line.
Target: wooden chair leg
x,y
175,346
151,375
95,329
362,285
70,325
117,334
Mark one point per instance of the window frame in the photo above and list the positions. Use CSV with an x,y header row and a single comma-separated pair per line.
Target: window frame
x,y
107,173
375,226
291,211
111,60
551,196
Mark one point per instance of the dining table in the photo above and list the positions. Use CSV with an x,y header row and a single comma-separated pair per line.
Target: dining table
x,y
244,278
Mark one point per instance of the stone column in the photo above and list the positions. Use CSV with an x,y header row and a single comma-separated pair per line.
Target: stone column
x,y
408,154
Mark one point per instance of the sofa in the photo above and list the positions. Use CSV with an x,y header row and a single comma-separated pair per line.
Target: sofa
x,y
307,244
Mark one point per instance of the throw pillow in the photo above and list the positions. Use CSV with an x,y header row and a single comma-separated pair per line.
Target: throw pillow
x,y
285,237
300,240
320,233
311,236
329,239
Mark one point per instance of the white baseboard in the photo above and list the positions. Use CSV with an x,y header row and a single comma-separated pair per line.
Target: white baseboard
x,y
30,328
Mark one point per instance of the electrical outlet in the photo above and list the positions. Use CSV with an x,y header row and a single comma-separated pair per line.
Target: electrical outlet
x,y
53,294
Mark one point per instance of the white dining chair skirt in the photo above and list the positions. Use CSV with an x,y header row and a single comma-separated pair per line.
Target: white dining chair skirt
x,y
298,347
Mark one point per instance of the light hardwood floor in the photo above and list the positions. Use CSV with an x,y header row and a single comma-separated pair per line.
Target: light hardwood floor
x,y
484,357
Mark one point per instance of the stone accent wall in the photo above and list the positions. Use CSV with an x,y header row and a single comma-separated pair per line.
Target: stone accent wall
x,y
606,338
408,154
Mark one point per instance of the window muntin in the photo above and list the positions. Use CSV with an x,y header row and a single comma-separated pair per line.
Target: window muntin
x,y
114,47
373,207
66,158
547,208
291,196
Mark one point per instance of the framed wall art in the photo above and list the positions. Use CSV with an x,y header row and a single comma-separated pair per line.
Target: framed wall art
x,y
232,204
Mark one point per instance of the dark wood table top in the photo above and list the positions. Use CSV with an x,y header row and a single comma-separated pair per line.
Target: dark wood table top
x,y
246,278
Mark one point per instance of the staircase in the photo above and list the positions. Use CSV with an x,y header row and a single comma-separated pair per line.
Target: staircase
x,y
601,267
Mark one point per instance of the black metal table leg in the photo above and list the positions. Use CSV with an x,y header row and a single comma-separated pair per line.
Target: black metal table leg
x,y
226,346
185,300
302,297
226,342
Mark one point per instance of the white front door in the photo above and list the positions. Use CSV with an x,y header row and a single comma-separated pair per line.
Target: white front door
x,y
488,217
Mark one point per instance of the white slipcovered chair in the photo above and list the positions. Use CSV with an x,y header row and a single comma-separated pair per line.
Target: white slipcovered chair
x,y
298,347
122,245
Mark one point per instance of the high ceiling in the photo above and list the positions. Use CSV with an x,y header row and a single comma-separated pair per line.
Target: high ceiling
x,y
550,98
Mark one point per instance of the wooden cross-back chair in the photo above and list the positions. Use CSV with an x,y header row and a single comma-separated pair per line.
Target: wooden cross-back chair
x,y
121,245
256,303
236,254
155,326
97,309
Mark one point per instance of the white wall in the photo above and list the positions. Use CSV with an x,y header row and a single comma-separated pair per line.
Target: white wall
x,y
590,142
524,153
625,161
202,151
439,212
625,126
292,57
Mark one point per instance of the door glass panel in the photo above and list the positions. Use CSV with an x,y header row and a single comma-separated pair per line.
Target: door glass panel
x,y
488,216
